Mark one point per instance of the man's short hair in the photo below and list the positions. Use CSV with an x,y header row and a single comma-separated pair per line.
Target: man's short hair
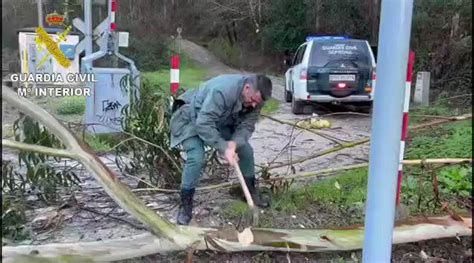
x,y
262,83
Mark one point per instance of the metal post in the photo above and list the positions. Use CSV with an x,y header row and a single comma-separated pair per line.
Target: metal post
x,y
406,107
40,13
88,59
111,29
178,39
394,38
88,26
66,10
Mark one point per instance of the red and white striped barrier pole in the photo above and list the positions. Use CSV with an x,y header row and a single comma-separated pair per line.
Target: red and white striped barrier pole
x,y
406,106
174,74
113,9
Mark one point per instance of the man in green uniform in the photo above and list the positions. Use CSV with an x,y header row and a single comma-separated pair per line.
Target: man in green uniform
x,y
221,113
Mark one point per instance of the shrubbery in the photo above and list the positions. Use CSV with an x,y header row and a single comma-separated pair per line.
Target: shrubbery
x,y
149,54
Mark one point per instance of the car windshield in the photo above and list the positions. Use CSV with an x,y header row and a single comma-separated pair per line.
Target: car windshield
x,y
326,52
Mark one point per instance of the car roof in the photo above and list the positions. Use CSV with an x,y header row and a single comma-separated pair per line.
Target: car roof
x,y
329,40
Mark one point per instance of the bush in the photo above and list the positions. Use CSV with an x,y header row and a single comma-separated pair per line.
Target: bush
x,y
230,54
149,54
286,26
148,118
456,181
72,105
13,218
42,174
97,143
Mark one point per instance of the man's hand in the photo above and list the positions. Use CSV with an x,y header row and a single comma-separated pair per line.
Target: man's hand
x,y
230,154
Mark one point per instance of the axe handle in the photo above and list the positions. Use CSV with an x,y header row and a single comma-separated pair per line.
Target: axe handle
x,y
248,197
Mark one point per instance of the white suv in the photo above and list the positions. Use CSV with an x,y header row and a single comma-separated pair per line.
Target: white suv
x,y
330,70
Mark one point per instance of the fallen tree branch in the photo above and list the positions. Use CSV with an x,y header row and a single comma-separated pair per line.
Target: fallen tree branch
x,y
455,97
437,122
133,136
325,136
119,192
204,188
431,116
38,148
287,145
90,210
324,152
314,174
362,165
258,239
437,161
345,113
366,140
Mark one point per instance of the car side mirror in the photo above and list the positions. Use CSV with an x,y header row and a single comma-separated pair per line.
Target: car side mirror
x,y
287,62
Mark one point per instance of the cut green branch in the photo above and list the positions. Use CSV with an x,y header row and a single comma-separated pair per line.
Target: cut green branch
x,y
114,188
38,148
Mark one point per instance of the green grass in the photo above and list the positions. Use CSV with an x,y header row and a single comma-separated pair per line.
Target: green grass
x,y
436,110
452,140
71,105
189,78
103,142
270,106
190,75
345,190
235,209
349,189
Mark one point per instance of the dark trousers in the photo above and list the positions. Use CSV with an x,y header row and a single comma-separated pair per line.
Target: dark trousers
x,y
195,160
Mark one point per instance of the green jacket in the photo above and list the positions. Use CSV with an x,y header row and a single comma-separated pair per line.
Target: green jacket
x,y
216,105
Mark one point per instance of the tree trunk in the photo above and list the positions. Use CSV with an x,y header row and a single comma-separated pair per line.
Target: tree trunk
x,y
81,152
318,14
259,239
374,10
454,26
229,34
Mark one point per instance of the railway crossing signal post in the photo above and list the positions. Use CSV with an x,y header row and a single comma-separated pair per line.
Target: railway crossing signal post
x,y
394,40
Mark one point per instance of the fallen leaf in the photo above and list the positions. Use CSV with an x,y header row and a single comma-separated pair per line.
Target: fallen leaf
x,y
336,184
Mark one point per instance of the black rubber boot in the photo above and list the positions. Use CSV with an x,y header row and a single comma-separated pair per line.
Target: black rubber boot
x,y
185,213
255,193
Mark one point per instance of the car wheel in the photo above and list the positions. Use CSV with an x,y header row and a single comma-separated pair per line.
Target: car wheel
x,y
297,107
288,96
367,108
